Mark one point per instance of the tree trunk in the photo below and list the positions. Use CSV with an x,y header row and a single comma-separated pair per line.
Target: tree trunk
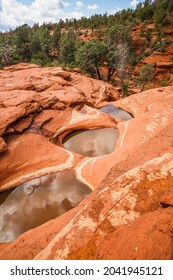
x,y
98,74
110,73
143,85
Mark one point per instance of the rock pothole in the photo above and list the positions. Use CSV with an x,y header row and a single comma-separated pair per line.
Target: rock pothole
x,y
38,201
116,112
92,143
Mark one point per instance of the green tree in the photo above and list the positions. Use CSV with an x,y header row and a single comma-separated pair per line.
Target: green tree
x,y
147,35
90,56
23,41
118,36
159,17
56,36
163,9
146,75
46,41
112,59
68,47
36,43
144,11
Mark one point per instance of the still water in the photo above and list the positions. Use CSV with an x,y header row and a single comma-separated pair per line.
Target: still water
x,y
92,143
37,201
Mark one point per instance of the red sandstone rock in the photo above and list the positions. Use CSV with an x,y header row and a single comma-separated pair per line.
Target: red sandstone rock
x,y
104,219
18,104
28,89
52,120
4,245
62,74
147,238
3,145
77,70
9,116
164,64
21,66
140,138
122,218
30,156
84,118
167,199
162,60
96,91
22,124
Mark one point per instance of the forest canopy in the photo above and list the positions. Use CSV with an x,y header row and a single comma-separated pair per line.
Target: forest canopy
x,y
90,43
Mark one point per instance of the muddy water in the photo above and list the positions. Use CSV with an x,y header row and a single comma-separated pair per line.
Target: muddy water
x,y
116,112
38,201
92,143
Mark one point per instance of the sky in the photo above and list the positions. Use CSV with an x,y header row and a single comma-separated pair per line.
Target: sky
x,y
17,12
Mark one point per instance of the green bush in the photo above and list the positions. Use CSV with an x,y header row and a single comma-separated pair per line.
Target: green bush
x,y
39,55
86,33
37,61
125,87
157,46
165,82
146,75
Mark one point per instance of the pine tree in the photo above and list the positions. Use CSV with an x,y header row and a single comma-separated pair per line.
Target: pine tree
x,y
68,47
90,57
146,75
23,41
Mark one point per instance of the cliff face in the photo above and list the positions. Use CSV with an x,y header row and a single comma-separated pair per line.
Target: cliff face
x,y
130,208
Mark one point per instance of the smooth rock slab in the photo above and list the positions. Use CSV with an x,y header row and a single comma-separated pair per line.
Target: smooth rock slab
x,y
37,201
92,143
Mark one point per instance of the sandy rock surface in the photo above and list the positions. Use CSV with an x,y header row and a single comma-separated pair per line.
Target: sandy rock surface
x,y
130,209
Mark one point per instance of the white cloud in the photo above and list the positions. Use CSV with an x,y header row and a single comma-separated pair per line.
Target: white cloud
x,y
66,4
79,4
134,3
13,13
92,7
114,11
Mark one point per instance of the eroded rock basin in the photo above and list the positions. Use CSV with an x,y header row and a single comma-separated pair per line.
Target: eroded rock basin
x,y
116,112
37,201
92,143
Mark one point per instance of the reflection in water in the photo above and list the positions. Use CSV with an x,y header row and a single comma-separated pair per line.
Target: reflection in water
x,y
116,112
38,201
92,143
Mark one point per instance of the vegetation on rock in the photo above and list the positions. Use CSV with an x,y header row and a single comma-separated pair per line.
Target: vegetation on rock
x,y
93,43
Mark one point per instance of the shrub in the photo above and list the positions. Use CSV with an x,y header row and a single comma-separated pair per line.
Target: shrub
x,y
125,87
146,75
165,82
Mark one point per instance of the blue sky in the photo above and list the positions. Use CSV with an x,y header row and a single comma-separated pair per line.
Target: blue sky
x,y
16,12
